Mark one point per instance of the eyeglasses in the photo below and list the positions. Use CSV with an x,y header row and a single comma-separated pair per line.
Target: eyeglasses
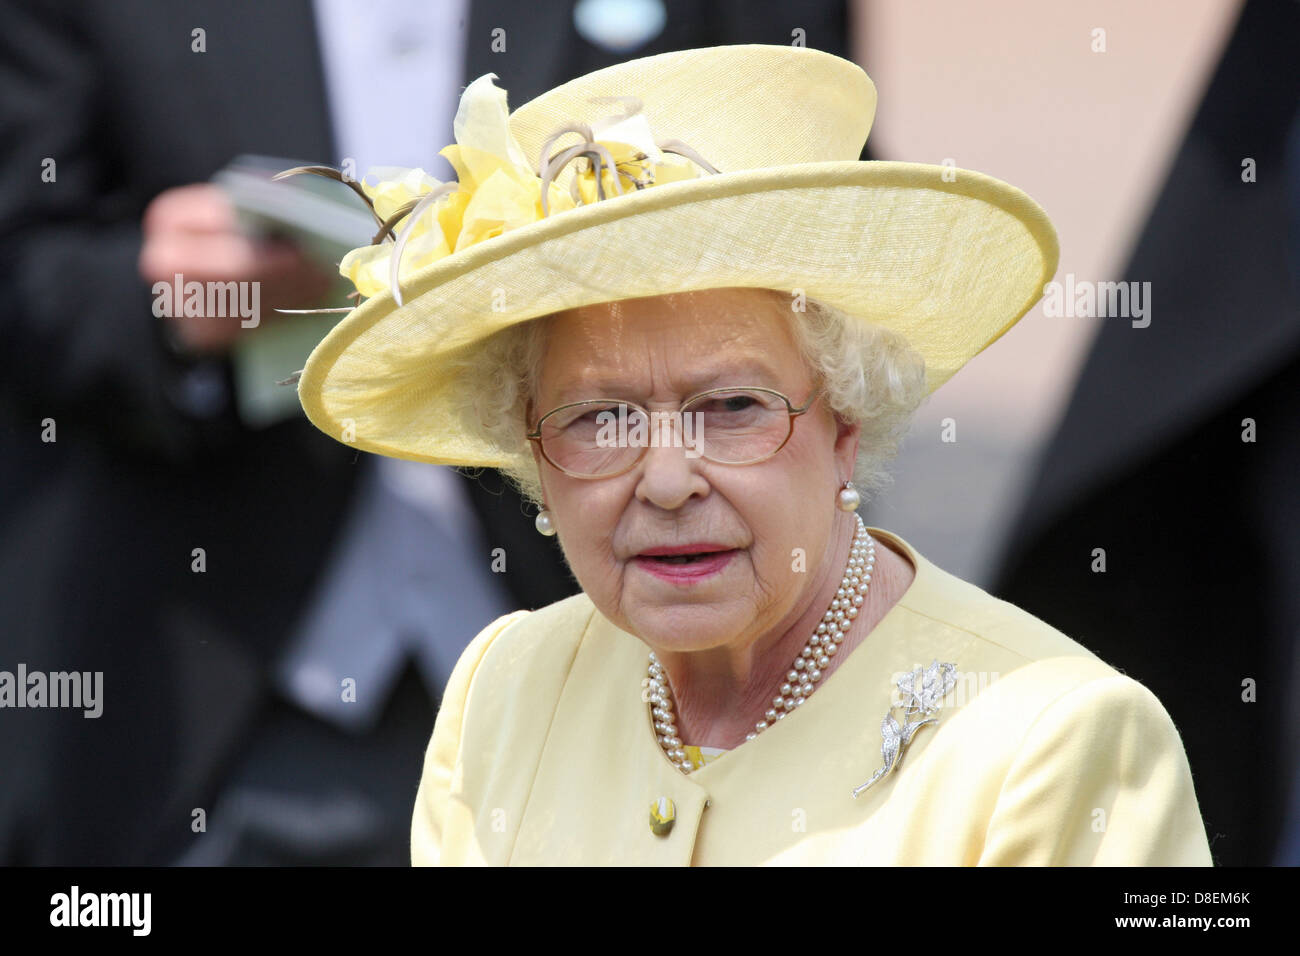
x,y
603,438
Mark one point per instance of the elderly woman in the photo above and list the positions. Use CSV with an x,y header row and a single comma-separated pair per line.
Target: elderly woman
x,y
693,332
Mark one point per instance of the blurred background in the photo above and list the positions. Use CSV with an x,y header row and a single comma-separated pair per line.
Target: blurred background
x,y
1127,478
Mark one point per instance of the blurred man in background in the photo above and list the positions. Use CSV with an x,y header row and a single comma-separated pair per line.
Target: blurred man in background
x,y
1178,456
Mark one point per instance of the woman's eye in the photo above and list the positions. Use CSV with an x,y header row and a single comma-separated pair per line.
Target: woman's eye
x,y
596,416
724,404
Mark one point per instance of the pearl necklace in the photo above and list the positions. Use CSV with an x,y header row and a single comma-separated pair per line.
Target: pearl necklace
x,y
807,669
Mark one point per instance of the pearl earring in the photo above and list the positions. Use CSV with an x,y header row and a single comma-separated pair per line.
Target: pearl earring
x,y
545,525
849,499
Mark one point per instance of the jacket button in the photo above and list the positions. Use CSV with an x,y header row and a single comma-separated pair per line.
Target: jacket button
x,y
663,814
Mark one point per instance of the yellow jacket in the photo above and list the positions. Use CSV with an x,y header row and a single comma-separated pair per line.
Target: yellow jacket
x,y
543,752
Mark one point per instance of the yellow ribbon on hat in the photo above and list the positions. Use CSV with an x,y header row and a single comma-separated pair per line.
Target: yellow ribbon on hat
x,y
496,190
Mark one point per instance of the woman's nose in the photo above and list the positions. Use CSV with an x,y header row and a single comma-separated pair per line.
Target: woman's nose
x,y
670,474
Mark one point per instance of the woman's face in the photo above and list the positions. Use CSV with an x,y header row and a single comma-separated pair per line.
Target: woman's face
x,y
772,519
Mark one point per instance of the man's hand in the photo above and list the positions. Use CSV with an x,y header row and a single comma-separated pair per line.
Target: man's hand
x,y
193,231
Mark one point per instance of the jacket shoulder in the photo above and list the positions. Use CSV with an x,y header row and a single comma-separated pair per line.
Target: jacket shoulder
x,y
533,644
1001,631
1098,773
497,705
549,629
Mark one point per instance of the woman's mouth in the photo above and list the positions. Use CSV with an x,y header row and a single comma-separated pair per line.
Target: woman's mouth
x,y
682,558
685,568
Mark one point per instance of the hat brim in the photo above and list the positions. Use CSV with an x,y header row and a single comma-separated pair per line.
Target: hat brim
x,y
948,258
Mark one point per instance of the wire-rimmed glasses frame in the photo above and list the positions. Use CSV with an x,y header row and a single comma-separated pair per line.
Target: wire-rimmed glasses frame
x,y
792,410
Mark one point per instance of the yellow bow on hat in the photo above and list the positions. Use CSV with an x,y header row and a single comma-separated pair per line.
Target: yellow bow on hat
x,y
496,190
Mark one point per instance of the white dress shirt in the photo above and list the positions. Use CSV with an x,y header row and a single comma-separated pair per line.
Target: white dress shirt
x,y
411,575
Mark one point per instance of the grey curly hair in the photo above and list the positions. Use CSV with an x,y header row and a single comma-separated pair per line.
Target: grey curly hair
x,y
870,376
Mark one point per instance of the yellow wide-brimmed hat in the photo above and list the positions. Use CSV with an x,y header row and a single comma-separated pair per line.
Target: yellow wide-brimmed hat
x,y
736,166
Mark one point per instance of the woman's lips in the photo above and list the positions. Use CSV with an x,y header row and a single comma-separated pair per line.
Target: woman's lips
x,y
678,571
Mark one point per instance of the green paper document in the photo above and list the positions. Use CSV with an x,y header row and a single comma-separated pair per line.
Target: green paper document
x,y
327,220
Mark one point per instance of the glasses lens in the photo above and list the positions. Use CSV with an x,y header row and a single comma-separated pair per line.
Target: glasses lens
x,y
737,426
593,439
732,426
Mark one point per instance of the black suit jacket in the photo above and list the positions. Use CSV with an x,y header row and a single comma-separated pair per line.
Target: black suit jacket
x,y
1200,528
98,528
